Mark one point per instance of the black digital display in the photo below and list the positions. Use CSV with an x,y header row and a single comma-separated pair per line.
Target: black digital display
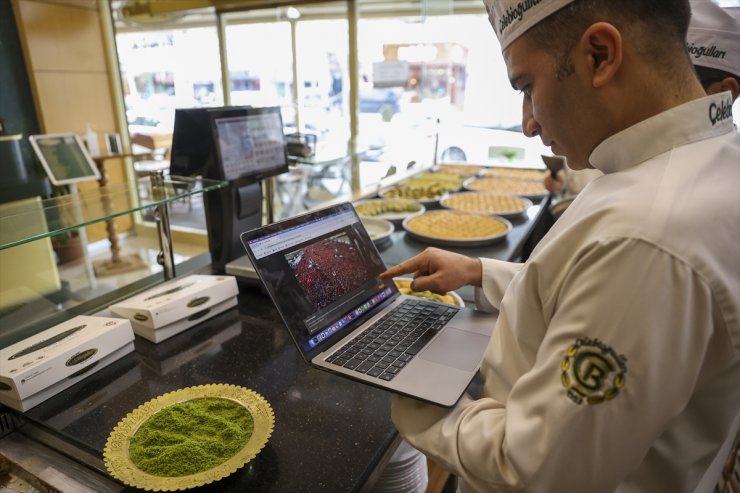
x,y
234,143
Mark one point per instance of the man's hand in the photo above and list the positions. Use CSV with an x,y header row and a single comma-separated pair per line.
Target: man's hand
x,y
555,185
438,271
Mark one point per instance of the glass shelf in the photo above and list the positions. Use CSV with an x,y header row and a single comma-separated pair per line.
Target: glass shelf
x,y
32,220
327,154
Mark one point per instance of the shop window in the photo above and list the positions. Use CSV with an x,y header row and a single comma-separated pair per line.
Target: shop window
x,y
148,84
322,63
167,69
258,77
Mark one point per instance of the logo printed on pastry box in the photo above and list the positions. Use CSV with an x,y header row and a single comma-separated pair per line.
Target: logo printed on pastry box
x,y
81,356
198,301
36,375
47,342
592,372
169,291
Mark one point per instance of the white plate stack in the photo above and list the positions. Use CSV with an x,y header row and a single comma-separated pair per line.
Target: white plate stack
x,y
405,473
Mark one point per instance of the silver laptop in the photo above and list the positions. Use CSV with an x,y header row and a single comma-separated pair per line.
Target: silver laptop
x,y
321,271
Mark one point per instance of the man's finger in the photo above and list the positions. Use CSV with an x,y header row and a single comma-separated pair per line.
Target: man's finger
x,y
396,270
389,272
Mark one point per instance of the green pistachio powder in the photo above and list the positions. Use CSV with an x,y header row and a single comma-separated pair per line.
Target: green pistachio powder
x,y
191,437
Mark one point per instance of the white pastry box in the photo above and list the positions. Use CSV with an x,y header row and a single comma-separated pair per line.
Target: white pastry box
x,y
176,300
162,333
43,365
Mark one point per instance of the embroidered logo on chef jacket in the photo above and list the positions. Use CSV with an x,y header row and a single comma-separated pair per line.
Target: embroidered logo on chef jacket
x,y
700,51
721,112
592,371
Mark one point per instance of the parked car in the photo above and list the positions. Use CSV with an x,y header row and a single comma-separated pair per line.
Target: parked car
x,y
477,144
381,100
150,123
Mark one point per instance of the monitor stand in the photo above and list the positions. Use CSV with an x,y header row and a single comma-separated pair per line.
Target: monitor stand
x,y
230,211
243,269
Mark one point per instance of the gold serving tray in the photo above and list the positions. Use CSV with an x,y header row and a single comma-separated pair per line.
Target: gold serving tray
x,y
454,228
120,466
404,286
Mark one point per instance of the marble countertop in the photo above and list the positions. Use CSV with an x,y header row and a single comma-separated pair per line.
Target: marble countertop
x,y
331,434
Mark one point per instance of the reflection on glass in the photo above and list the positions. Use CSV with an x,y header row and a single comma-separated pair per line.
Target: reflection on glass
x,y
261,77
69,212
42,279
164,69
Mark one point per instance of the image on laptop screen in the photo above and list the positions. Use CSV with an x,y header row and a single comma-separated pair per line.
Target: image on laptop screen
x,y
325,269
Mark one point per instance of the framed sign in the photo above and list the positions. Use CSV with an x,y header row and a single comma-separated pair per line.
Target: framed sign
x,y
64,158
113,143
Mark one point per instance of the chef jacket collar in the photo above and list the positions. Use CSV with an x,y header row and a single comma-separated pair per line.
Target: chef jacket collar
x,y
690,122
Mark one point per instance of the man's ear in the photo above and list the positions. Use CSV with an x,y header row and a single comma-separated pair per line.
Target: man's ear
x,y
730,84
603,44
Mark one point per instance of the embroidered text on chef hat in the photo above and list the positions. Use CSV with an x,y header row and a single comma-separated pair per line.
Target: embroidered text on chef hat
x,y
512,18
713,39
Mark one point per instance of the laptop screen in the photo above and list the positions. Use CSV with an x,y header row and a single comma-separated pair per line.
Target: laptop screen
x,y
321,270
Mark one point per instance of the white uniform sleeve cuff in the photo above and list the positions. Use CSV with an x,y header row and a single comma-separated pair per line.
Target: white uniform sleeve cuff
x,y
496,276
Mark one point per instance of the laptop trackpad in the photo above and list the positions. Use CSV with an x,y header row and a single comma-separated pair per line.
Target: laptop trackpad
x,y
457,348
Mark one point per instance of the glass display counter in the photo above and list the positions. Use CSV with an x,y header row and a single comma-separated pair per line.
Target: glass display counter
x,y
39,288
25,221
243,346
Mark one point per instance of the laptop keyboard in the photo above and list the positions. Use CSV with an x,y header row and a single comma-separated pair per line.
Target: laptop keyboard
x,y
384,348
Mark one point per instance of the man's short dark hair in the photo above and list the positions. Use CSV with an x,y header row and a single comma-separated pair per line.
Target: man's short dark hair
x,y
708,76
660,27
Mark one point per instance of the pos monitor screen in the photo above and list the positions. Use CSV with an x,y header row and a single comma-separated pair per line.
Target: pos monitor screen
x,y
250,143
234,143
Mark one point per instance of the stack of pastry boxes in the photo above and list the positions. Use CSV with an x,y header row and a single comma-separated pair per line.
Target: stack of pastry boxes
x,y
170,308
53,360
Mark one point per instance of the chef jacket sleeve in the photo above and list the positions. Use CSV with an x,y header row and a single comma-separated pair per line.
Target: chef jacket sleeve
x,y
496,276
623,308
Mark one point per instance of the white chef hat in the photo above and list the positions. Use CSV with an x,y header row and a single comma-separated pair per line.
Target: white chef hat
x,y
512,18
713,39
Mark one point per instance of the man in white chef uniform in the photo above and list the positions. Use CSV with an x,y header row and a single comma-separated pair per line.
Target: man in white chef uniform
x,y
713,43
615,361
